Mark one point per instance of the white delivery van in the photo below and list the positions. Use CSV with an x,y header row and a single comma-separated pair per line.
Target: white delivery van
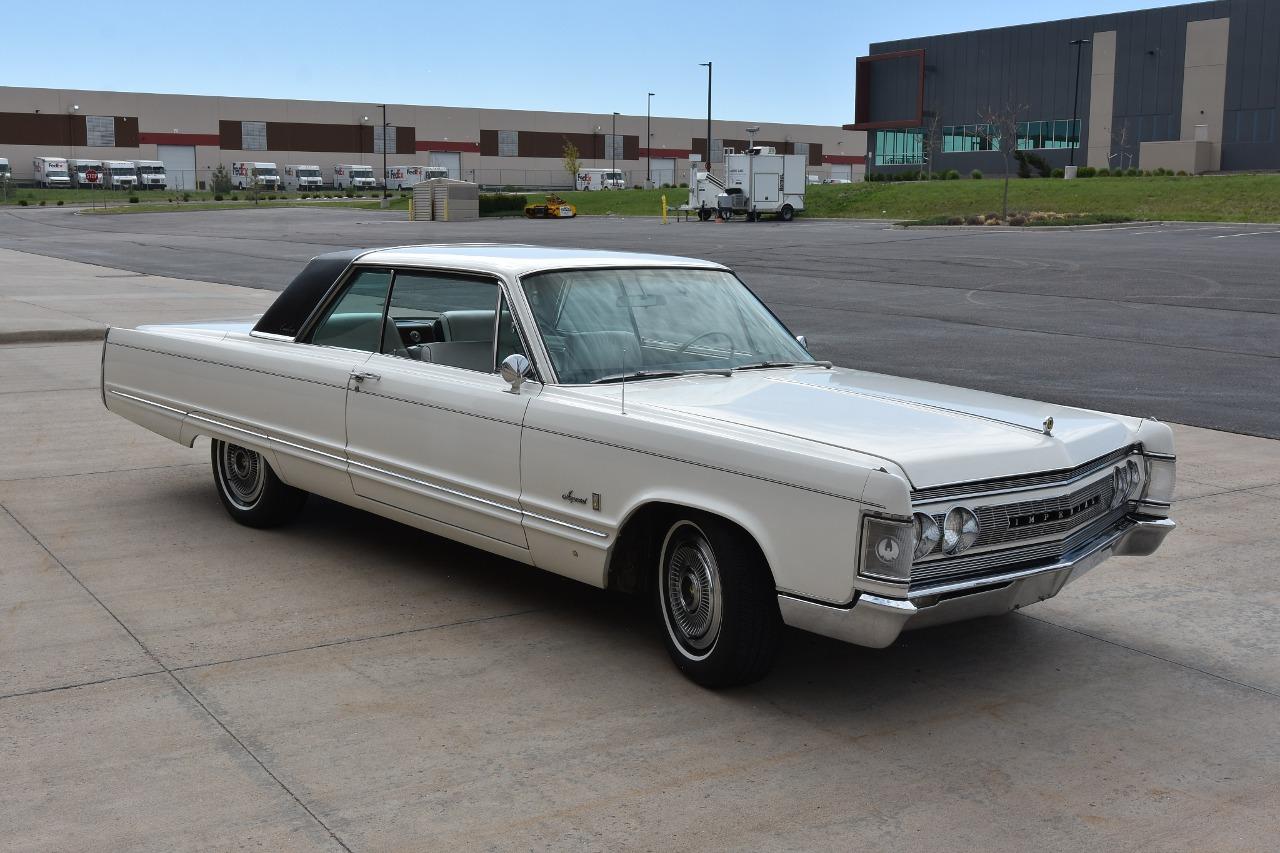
x,y
119,174
51,172
403,177
5,173
600,179
86,173
264,175
302,177
353,176
151,175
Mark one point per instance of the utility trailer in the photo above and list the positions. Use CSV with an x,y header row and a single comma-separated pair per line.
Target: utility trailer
x,y
758,181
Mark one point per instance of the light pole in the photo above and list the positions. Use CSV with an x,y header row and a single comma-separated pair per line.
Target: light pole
x,y
648,140
708,65
363,119
595,144
384,150
1075,109
71,130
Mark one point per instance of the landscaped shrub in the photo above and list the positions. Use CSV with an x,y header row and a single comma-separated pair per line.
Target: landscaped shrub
x,y
973,219
235,197
1024,168
59,202
953,175
42,202
684,186
955,220
133,199
976,174
1086,172
1132,173
1017,219
22,202
637,187
1057,173
217,196
1104,172
1182,173
186,196
501,202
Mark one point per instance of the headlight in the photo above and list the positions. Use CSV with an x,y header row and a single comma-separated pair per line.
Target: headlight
x,y
926,533
960,530
887,547
1119,485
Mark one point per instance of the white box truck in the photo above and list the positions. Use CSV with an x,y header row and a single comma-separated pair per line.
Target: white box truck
x,y
86,173
5,173
404,177
120,174
770,182
151,175
600,179
264,176
302,177
51,172
353,176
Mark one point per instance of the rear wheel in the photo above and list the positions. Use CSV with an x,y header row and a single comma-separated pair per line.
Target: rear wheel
x,y
787,213
719,603
249,490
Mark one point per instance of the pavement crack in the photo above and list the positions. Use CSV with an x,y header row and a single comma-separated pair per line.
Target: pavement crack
x,y
176,679
1153,655
58,687
99,473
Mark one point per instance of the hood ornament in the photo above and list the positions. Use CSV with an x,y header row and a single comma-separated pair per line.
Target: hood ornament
x,y
1048,426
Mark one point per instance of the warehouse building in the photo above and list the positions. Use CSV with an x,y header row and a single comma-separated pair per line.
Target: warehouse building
x,y
1192,87
192,134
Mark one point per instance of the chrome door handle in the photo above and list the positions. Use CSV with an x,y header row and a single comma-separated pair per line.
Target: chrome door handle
x,y
360,376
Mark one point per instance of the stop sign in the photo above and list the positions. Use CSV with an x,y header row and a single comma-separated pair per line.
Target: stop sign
x,y
91,176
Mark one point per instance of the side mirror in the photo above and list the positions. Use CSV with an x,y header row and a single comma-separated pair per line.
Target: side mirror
x,y
804,342
515,369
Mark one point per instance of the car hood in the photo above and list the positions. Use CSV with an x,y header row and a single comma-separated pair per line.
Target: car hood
x,y
937,434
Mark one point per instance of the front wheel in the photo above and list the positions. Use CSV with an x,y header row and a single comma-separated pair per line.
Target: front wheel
x,y
249,490
719,603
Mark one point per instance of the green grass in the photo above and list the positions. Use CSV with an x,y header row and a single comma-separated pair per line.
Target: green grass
x,y
1226,198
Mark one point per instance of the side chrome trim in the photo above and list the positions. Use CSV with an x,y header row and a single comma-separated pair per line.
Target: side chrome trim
x,y
433,486
151,403
265,437
586,530
272,336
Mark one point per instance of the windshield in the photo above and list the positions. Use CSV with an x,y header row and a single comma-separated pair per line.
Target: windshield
x,y
4,168
81,168
151,170
362,173
121,170
308,173
56,173
268,173
613,176
599,324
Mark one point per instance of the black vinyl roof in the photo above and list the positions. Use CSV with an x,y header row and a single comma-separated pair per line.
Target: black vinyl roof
x,y
292,307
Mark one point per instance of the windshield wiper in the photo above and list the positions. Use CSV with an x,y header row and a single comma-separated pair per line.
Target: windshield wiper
x,y
761,365
659,374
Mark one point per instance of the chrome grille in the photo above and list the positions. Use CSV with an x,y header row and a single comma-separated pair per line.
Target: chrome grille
x,y
1046,517
1025,481
1007,559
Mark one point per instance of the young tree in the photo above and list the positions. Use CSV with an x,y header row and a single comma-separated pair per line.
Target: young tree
x,y
572,162
932,138
220,181
999,130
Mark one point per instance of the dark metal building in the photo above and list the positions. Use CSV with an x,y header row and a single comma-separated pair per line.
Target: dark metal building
x,y
1192,88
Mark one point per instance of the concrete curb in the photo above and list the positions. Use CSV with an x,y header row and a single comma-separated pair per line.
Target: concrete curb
x,y
52,336
1101,226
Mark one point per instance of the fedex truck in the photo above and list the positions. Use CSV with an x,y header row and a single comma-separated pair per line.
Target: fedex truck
x,y
262,175
86,173
51,172
120,174
600,179
353,176
302,177
151,174
403,177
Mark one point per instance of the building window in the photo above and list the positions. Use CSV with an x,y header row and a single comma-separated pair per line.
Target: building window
x,y
1059,133
800,148
717,150
508,143
253,136
899,147
384,139
100,131
613,146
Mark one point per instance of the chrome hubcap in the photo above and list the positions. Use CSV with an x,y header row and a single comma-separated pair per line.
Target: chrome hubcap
x,y
243,474
692,588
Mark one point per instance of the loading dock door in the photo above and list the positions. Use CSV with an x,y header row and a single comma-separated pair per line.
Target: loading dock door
x,y
179,165
450,160
841,172
663,171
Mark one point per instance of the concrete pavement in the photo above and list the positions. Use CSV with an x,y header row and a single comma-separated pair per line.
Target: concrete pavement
x,y
171,681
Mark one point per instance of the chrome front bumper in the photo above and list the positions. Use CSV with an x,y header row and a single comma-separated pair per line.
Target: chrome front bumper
x,y
876,621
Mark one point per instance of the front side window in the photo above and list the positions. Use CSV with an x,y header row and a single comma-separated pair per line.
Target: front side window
x,y
355,320
441,318
602,324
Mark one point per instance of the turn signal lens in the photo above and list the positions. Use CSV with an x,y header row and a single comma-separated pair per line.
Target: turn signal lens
x,y
1161,474
886,549
1119,485
926,533
1135,479
960,530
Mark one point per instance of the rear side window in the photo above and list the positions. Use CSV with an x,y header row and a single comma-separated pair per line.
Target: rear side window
x,y
355,320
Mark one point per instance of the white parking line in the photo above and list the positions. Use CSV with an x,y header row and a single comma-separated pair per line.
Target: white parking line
x,y
1246,234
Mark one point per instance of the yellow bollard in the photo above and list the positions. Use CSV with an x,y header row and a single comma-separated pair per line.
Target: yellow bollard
x,y
664,208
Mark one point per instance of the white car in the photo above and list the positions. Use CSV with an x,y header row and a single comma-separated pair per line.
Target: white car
x,y
645,423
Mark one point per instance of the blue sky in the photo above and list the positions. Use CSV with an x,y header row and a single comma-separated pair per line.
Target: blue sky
x,y
772,61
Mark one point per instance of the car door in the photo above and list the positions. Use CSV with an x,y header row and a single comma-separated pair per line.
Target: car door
x,y
431,427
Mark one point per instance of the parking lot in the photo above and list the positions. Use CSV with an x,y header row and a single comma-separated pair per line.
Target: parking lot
x,y
169,680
